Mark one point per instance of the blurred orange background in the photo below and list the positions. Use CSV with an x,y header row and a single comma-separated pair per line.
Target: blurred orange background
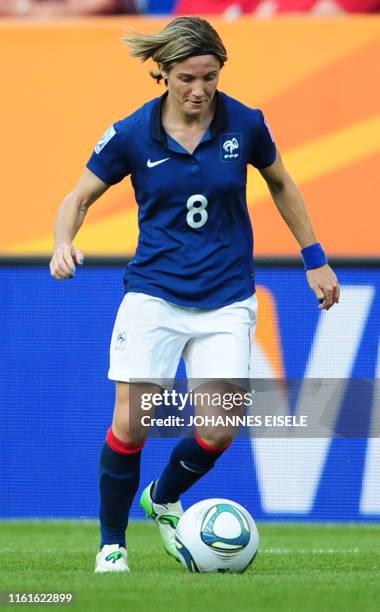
x,y
318,82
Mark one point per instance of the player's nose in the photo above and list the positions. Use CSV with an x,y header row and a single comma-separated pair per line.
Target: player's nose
x,y
198,91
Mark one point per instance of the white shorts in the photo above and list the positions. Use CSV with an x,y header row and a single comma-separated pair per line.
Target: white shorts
x,y
150,336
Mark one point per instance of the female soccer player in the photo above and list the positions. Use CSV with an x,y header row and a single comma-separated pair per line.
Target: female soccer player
x,y
190,287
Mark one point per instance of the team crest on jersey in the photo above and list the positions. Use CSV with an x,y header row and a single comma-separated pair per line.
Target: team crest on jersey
x,y
110,133
230,147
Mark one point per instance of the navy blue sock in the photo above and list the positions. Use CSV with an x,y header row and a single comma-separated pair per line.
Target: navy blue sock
x,y
119,481
191,459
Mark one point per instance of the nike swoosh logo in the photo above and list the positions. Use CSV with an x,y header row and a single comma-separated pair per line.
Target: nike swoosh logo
x,y
151,164
189,468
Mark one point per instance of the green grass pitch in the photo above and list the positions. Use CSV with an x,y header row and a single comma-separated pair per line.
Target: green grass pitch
x,y
299,568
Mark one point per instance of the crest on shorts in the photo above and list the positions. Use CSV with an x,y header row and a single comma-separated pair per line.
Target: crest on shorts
x,y
120,341
230,147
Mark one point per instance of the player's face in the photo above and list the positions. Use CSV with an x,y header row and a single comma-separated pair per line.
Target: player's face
x,y
192,83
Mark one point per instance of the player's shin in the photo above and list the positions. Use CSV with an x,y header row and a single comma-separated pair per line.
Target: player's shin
x,y
191,459
119,481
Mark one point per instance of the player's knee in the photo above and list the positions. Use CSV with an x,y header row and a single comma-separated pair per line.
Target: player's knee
x,y
218,439
127,436
124,428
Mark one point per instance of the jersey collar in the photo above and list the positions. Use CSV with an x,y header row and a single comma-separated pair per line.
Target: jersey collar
x,y
218,123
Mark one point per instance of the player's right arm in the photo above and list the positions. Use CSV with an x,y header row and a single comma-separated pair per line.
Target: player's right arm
x,y
70,217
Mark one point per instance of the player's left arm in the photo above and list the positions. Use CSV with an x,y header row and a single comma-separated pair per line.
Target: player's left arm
x,y
291,205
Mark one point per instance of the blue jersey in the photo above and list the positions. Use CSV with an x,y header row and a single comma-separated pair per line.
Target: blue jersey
x,y
195,244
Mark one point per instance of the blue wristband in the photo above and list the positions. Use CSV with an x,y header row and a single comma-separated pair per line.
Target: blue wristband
x,y
313,256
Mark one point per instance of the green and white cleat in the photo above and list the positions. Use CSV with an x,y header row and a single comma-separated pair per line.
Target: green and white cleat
x,y
111,558
165,515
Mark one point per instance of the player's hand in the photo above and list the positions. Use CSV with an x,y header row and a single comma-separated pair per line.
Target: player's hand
x,y
324,283
65,258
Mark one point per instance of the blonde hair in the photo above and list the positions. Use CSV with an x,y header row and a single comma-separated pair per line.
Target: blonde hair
x,y
181,38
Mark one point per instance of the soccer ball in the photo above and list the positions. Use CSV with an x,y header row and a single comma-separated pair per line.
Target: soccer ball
x,y
216,535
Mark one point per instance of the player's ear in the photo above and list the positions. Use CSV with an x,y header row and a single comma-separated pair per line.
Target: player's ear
x,y
164,74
